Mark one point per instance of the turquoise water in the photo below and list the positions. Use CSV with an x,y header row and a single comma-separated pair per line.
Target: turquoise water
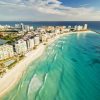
x,y
68,70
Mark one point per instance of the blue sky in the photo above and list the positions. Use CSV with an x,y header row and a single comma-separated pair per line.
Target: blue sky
x,y
50,10
76,3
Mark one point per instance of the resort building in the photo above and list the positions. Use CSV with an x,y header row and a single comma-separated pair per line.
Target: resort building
x,y
26,28
75,27
85,27
57,31
65,30
2,27
69,27
30,43
20,47
6,51
22,26
17,26
51,35
31,27
44,38
36,40
79,28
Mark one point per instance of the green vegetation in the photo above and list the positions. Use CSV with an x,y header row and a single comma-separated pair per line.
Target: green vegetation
x,y
11,37
4,68
12,65
17,59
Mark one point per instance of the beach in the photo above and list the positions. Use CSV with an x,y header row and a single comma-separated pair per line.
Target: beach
x,y
12,77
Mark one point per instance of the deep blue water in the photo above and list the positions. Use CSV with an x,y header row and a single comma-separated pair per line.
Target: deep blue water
x,y
94,25
69,69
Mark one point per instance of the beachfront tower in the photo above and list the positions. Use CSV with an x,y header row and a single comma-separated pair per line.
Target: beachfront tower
x,y
20,47
36,40
30,43
85,26
6,51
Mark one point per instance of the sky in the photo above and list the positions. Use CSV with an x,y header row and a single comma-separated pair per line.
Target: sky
x,y
49,10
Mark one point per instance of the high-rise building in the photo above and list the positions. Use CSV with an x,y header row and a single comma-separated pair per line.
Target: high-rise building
x,y
17,26
20,47
6,51
30,43
85,26
44,38
36,40
79,28
31,27
22,26
75,27
27,28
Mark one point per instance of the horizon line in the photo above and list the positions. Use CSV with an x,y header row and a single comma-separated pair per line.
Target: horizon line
x,y
45,21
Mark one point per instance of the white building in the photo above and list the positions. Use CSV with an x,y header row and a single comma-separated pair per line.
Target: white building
x,y
57,31
85,26
65,30
6,51
44,38
52,35
69,27
36,40
30,44
79,28
2,27
31,27
27,28
20,47
17,26
75,27
22,26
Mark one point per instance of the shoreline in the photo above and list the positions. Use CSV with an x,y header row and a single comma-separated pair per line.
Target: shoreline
x,y
12,77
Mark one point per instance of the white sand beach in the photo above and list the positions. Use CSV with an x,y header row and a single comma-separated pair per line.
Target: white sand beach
x,y
87,31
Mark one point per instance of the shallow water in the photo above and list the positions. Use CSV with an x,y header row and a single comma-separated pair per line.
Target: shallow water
x,y
68,70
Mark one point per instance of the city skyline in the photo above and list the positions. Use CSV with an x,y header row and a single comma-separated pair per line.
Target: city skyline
x,y
49,10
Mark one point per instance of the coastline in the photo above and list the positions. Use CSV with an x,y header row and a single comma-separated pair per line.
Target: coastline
x,y
12,77
88,31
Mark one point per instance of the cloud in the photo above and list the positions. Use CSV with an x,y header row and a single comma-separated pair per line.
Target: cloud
x,y
84,5
47,10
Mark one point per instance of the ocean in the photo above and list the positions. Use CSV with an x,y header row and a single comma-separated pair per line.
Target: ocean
x,y
69,69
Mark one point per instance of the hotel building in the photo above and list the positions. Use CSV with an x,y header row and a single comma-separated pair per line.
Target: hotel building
x,y
30,43
44,38
79,28
85,27
6,51
36,40
20,47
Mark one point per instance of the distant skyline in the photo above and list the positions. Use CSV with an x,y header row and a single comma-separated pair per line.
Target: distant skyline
x,y
49,10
